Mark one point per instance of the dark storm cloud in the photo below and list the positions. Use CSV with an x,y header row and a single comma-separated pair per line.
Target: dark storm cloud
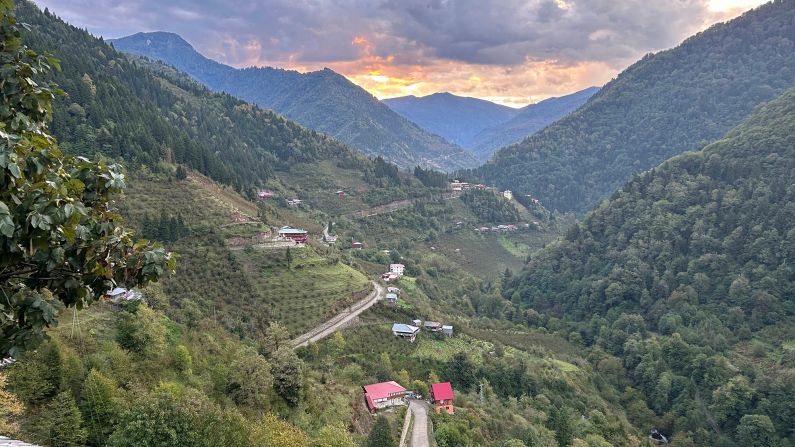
x,y
501,32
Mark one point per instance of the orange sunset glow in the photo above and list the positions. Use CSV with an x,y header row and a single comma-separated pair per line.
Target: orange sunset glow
x,y
513,52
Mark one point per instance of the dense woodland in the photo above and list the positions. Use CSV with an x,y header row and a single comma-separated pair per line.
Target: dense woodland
x,y
117,108
682,283
666,103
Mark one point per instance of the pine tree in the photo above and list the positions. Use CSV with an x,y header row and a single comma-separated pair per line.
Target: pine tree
x,y
381,434
61,422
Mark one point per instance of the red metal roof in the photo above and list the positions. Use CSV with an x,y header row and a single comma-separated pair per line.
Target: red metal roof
x,y
442,391
383,390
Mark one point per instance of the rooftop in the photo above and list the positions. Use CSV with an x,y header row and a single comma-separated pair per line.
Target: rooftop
x,y
290,230
383,389
442,391
405,328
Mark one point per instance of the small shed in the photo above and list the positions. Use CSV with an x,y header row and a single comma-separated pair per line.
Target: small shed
x,y
393,290
433,326
447,330
357,245
417,323
391,298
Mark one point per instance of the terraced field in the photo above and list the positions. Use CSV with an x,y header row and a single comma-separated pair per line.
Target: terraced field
x,y
308,292
241,288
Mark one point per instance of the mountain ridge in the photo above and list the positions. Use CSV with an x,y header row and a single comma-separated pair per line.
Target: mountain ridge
x,y
322,100
480,125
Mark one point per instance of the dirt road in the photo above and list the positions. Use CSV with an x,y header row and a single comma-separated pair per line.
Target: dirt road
x,y
339,320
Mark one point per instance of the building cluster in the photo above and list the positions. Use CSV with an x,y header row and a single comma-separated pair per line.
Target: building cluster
x,y
507,228
458,185
382,395
409,331
394,273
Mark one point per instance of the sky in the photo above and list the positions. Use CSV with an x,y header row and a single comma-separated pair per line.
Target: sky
x,y
512,52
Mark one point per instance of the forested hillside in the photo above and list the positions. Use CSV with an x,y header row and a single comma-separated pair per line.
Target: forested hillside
x,y
122,110
527,121
322,100
685,275
458,119
666,103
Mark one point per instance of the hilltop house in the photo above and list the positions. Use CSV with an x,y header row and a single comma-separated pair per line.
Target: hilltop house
x,y
384,395
397,269
442,397
297,235
405,331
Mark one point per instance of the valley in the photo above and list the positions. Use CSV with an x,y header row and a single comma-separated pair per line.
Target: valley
x,y
619,273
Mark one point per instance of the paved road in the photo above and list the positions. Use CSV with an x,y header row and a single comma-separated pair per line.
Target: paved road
x,y
419,434
332,325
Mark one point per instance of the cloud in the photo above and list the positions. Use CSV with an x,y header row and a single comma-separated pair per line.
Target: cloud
x,y
415,45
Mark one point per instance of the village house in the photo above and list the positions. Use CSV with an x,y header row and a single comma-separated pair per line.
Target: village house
x,y
389,276
442,397
384,395
406,331
433,326
447,330
294,202
120,294
340,193
459,185
357,245
417,323
391,298
266,194
508,194
397,269
295,234
329,239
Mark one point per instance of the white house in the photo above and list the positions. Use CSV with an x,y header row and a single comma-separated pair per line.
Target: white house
x,y
397,269
405,331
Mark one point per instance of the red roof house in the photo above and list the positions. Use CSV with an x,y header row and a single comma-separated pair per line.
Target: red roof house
x,y
442,397
383,395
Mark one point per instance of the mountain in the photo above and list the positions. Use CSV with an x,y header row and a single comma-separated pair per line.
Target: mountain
x,y
664,104
456,118
686,274
482,126
321,100
526,121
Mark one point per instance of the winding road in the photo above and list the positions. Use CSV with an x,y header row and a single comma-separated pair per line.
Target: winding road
x,y
339,320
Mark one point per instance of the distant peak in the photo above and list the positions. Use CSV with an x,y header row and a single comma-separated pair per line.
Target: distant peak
x,y
156,37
